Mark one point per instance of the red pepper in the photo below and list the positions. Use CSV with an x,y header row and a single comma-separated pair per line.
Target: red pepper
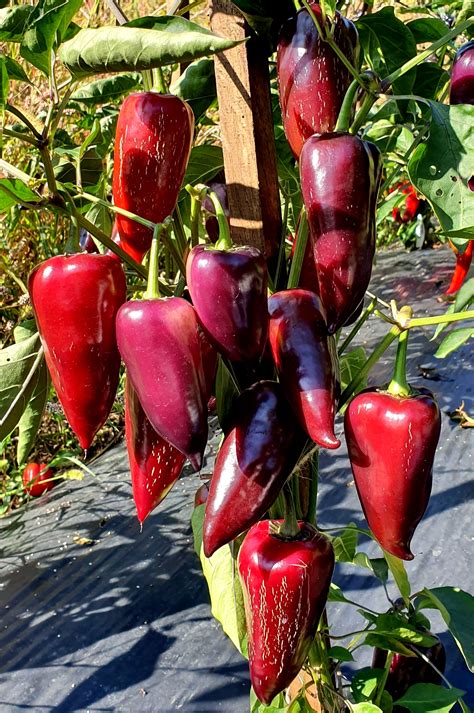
x,y
306,360
201,494
250,469
152,146
76,299
36,479
312,79
463,263
340,176
392,436
462,76
412,203
285,586
229,293
154,464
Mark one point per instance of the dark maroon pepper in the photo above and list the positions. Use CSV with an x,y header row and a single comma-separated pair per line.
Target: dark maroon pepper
x,y
285,586
462,76
152,146
340,176
229,293
76,299
160,345
250,468
392,442
312,79
306,361
154,464
405,671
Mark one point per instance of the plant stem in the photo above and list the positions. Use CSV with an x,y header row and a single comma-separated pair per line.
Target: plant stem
x,y
442,319
137,218
153,290
313,490
345,114
399,385
326,37
373,359
383,679
363,112
14,171
19,115
195,218
178,228
21,137
289,527
160,80
362,319
388,81
225,241
300,250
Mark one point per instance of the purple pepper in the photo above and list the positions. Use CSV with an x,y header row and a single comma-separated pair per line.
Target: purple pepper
x,y
462,76
159,343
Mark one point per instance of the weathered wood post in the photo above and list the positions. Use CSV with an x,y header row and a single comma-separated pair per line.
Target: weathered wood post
x,y
245,112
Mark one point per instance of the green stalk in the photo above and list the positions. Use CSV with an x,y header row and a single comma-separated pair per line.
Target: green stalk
x,y
345,114
21,137
459,29
313,490
300,249
153,291
363,113
399,385
225,241
289,527
159,80
361,321
24,120
442,319
373,359
195,217
383,679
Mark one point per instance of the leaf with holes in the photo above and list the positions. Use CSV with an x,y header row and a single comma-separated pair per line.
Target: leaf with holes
x,y
19,366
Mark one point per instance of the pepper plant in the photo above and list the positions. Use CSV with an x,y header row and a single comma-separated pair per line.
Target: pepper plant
x,y
360,107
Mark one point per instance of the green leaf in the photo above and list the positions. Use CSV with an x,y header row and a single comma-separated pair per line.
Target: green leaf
x,y
13,21
197,86
345,544
427,29
19,366
457,610
465,295
91,168
396,43
340,653
4,88
390,643
204,163
429,698
46,25
336,594
329,7
394,200
102,91
452,341
15,70
441,167
430,80
15,188
197,520
364,685
122,49
226,393
396,625
365,708
100,216
377,565
399,573
278,705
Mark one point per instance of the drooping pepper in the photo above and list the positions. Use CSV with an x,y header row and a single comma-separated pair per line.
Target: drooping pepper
x,y
152,145
253,463
462,76
285,586
229,292
392,436
306,361
340,177
76,299
405,671
160,345
312,79
461,270
155,465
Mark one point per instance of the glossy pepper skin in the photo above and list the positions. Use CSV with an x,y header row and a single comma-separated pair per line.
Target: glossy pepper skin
x,y
306,361
461,270
76,299
312,79
159,343
152,145
155,465
405,671
36,479
392,442
285,586
229,292
462,76
340,177
250,469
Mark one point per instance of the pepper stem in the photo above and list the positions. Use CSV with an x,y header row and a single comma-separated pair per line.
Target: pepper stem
x,y
225,241
289,527
399,385
345,114
153,289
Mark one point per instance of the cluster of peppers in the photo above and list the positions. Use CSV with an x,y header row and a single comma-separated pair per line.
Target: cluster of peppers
x,y
170,348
